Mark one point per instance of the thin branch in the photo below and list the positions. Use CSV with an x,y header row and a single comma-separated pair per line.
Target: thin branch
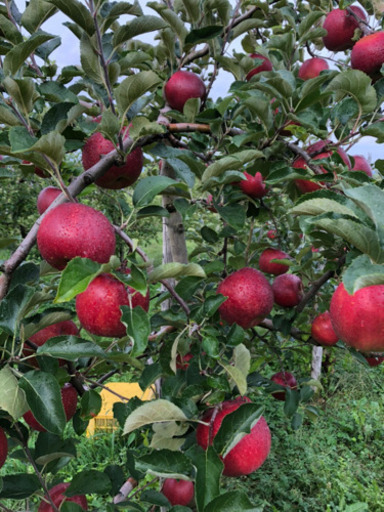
x,y
176,296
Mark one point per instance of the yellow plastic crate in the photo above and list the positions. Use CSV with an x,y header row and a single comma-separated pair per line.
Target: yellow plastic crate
x,y
104,421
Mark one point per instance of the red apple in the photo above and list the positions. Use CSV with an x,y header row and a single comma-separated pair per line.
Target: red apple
x,y
311,68
322,330
117,176
368,54
374,360
74,229
253,186
69,399
358,319
46,197
67,327
3,447
249,453
268,266
287,290
182,362
250,297
285,379
98,307
182,86
271,234
178,492
58,497
341,26
266,65
362,164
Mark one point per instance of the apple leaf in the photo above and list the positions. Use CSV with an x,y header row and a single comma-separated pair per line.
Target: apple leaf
x,y
51,447
89,481
242,359
231,162
292,399
17,56
70,348
175,270
362,272
356,84
12,398
234,214
51,145
19,486
238,378
324,202
138,328
375,130
154,411
77,12
14,306
134,87
148,188
307,23
42,320
165,463
370,199
136,27
168,435
230,501
209,468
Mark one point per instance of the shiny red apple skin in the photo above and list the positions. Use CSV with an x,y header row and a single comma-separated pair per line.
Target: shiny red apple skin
x,y
67,327
3,448
253,186
250,297
57,495
178,492
253,449
46,197
358,319
182,86
362,164
266,65
287,290
268,266
69,399
98,307
374,360
368,54
285,379
322,330
74,229
341,26
311,68
117,176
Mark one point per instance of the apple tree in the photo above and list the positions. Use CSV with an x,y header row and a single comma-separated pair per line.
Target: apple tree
x,y
226,130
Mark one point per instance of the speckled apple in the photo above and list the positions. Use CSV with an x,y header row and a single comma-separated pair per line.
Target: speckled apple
x,y
249,453
178,492
322,330
74,229
253,186
368,54
266,65
268,266
58,497
341,26
3,447
287,290
98,307
285,379
117,176
182,86
358,319
46,198
249,297
311,68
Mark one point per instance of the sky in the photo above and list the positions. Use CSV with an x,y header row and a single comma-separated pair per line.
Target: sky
x,y
69,53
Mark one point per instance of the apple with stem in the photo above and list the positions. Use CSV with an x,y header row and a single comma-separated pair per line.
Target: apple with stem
x,y
178,492
182,86
341,26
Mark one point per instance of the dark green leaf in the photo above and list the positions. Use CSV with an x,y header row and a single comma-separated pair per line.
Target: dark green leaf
x,y
136,27
76,277
200,35
134,87
209,468
19,486
77,12
138,328
89,482
14,306
165,463
36,13
70,348
233,214
16,57
230,501
51,447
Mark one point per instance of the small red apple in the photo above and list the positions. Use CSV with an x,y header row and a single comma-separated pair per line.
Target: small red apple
x,y
266,65
284,379
98,307
287,290
268,266
362,164
249,453
311,68
178,492
341,27
58,497
358,319
69,399
3,447
368,54
182,362
46,197
322,330
253,186
374,360
74,229
250,297
182,86
117,176
271,234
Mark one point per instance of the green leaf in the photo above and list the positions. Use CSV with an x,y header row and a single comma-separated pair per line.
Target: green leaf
x,y
19,486
362,272
234,214
331,202
9,31
51,447
52,146
138,328
356,84
76,277
14,306
54,116
231,162
70,348
154,411
152,211
147,189
201,35
57,93
191,109
375,130
12,398
173,21
307,23
175,270
209,468
133,88
165,463
44,398
8,117
35,14
77,12
22,91
89,60
370,199
230,501
40,321
136,27
237,377
16,57
89,481
242,359
246,26
192,8
91,403
292,399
